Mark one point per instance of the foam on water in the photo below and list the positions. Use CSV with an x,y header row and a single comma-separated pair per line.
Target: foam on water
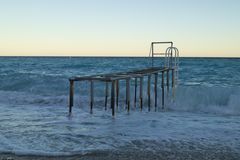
x,y
34,115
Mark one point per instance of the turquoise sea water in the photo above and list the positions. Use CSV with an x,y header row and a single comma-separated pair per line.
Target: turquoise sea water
x,y
34,114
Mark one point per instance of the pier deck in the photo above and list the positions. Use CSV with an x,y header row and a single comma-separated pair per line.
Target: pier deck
x,y
171,63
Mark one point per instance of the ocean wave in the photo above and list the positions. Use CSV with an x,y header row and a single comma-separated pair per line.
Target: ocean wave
x,y
215,100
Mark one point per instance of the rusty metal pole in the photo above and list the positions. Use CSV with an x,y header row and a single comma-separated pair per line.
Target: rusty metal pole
x,y
168,80
162,89
155,89
117,92
71,95
91,96
113,98
149,92
128,94
173,83
106,95
135,95
141,93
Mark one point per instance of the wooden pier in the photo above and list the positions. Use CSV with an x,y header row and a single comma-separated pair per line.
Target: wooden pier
x,y
152,72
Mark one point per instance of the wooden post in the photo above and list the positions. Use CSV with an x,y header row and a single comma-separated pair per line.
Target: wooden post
x,y
117,91
155,90
135,95
141,93
106,95
113,98
162,89
149,92
71,94
128,94
91,96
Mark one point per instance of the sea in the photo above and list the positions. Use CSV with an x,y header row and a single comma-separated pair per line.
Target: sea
x,y
203,116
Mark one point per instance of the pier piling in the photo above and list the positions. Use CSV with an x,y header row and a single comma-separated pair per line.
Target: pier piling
x,y
113,98
149,92
162,89
71,95
91,96
141,93
155,90
169,64
106,95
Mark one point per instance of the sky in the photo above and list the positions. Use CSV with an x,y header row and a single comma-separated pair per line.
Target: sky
x,y
198,28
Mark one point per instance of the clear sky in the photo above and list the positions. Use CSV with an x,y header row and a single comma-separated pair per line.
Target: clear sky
x,y
118,27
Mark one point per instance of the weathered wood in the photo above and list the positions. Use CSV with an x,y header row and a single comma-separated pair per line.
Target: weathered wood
x,y
141,93
91,96
155,90
106,95
113,98
149,92
162,90
71,94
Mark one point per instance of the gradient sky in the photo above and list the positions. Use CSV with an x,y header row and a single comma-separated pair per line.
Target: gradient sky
x,y
118,27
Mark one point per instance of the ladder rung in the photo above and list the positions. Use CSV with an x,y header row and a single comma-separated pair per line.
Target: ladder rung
x,y
159,53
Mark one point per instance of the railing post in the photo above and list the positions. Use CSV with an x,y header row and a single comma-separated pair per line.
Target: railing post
x,y
71,94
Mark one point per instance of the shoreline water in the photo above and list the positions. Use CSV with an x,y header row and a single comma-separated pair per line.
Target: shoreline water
x,y
203,121
171,151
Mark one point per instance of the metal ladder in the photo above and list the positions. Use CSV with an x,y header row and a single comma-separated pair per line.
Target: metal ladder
x,y
170,56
